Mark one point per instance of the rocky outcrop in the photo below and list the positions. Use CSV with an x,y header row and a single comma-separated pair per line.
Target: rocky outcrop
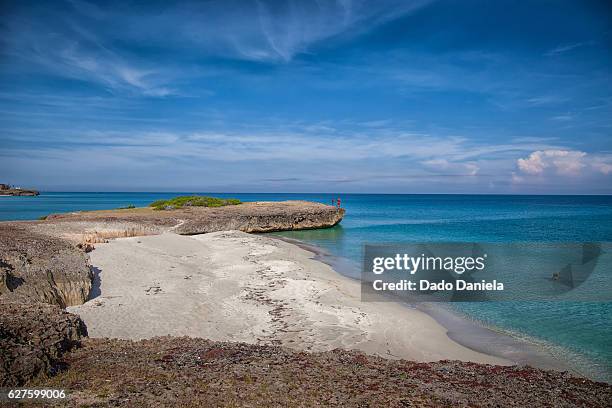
x,y
39,275
96,226
261,217
35,267
33,336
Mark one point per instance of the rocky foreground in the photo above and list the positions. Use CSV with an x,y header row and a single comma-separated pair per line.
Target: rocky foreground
x,y
43,347
33,337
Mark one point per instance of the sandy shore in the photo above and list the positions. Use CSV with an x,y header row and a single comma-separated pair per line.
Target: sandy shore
x,y
233,286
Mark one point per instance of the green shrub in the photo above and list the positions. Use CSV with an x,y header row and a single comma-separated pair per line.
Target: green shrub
x,y
192,201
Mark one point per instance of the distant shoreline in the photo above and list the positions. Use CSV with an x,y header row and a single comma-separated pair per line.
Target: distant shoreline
x,y
11,190
18,193
333,193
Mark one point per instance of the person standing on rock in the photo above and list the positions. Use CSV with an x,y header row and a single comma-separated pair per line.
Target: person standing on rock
x,y
333,202
338,201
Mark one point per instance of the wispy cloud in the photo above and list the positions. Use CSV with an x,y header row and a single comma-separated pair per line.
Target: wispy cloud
x,y
271,31
285,31
76,59
380,150
563,118
446,167
546,100
562,49
67,48
83,44
109,69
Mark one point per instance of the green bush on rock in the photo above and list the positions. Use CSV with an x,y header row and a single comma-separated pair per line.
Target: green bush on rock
x,y
192,201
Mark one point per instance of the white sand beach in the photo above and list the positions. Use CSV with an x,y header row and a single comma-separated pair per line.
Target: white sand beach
x,y
234,286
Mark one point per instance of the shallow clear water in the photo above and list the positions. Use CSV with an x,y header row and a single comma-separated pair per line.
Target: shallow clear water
x,y
579,332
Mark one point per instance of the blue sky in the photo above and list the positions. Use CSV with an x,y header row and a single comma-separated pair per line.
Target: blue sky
x,y
308,96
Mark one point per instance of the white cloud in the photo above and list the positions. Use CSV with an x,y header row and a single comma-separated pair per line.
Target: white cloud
x,y
545,165
565,162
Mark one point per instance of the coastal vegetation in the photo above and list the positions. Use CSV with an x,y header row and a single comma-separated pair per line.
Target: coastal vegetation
x,y
193,201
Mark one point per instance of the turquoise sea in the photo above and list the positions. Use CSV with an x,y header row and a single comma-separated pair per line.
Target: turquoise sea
x,y
579,333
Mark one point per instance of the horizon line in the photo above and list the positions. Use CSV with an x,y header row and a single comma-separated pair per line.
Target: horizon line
x,y
325,193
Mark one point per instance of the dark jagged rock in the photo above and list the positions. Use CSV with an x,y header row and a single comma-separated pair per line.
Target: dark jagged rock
x,y
33,336
35,267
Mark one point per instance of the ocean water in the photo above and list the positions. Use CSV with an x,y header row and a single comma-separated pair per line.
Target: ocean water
x,y
577,332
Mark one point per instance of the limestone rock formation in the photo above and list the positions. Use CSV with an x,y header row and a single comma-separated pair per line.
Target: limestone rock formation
x,y
35,267
33,336
261,217
96,226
